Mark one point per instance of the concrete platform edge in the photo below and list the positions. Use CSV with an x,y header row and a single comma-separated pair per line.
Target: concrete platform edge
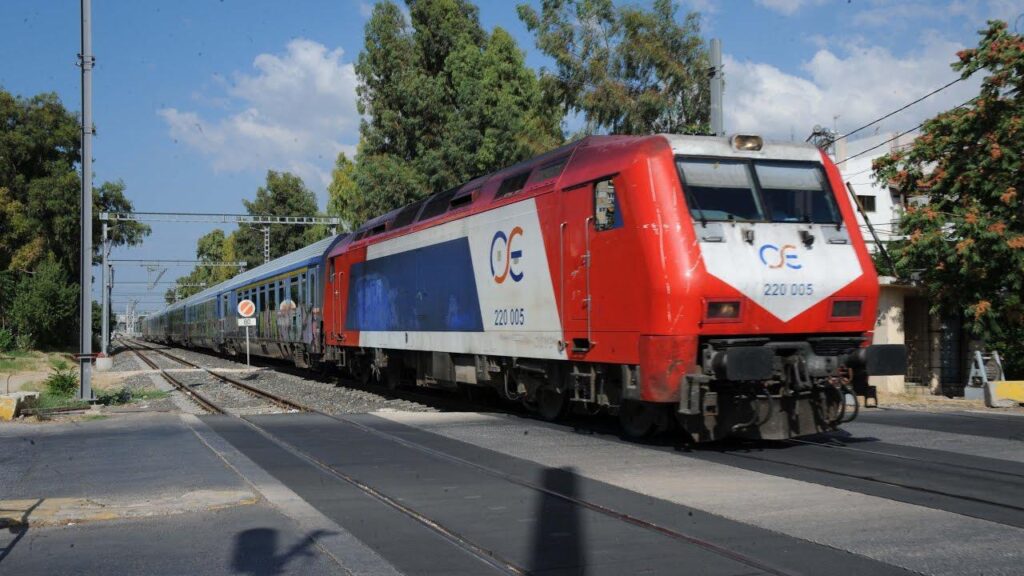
x,y
339,544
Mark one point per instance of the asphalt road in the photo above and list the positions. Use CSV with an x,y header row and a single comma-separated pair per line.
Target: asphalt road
x,y
469,493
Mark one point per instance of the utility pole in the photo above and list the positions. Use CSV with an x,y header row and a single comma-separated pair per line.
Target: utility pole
x,y
85,263
108,282
266,244
717,87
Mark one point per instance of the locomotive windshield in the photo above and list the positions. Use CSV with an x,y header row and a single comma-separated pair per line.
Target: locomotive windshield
x,y
761,191
720,190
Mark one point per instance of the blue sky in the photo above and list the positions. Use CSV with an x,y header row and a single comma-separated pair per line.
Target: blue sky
x,y
196,99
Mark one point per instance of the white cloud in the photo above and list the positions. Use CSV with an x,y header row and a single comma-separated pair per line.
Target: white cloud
x,y
788,7
913,15
858,84
297,111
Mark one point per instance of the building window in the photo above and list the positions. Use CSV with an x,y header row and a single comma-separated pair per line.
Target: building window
x,y
867,202
606,206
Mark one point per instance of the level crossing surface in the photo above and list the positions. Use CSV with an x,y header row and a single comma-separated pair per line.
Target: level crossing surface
x,y
398,482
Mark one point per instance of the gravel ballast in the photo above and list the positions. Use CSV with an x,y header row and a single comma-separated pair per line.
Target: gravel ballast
x,y
325,396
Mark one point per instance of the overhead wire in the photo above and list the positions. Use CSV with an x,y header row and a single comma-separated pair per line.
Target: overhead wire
x,y
897,136
898,110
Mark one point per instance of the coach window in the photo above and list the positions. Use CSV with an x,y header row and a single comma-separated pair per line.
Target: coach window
x,y
312,287
295,289
606,206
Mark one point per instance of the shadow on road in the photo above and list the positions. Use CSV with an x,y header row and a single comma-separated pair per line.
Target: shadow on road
x,y
558,539
17,529
256,551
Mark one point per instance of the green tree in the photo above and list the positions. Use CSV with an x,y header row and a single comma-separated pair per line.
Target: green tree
x,y
40,187
627,69
8,281
967,243
343,197
212,247
39,219
283,195
442,101
45,306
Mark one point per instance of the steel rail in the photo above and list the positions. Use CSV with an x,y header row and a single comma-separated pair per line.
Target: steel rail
x,y
263,394
840,446
869,478
199,399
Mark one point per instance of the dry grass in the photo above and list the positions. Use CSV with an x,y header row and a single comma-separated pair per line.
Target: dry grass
x,y
933,403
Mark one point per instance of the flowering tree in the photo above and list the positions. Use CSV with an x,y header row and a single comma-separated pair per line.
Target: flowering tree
x,y
967,243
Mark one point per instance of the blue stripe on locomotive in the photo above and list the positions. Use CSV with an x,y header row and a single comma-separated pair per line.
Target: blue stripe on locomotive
x,y
430,289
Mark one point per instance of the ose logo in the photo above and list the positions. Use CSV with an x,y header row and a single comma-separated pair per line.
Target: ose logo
x,y
504,259
774,257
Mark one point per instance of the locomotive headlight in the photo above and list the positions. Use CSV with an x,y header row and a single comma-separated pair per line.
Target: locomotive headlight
x,y
747,142
723,310
846,309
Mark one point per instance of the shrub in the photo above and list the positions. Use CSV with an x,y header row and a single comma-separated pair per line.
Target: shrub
x,y
115,397
45,304
6,340
63,381
24,341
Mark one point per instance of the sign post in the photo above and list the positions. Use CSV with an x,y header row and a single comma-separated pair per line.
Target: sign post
x,y
246,308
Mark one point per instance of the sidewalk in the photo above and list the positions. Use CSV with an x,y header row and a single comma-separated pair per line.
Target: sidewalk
x,y
137,494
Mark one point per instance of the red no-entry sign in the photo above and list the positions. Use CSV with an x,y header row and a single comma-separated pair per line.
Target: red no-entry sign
x,y
246,308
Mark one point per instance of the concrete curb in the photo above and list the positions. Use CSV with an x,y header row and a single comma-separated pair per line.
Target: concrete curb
x,y
12,404
337,543
36,512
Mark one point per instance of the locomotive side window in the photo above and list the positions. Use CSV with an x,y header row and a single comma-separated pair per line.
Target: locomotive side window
x,y
606,206
464,199
512,184
437,204
720,190
407,215
796,193
550,170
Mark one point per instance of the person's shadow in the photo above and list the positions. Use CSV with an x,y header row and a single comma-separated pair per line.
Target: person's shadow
x,y
559,542
256,551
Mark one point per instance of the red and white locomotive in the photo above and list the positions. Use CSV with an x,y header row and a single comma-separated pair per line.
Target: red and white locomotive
x,y
718,283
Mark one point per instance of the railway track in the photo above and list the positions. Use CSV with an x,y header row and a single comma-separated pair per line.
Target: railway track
x,y
980,491
463,541
228,390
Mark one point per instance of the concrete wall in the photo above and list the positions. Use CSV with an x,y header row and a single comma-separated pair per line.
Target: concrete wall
x,y
889,329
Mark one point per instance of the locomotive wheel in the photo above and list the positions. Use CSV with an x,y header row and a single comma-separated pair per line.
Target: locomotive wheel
x,y
638,420
550,403
391,376
366,372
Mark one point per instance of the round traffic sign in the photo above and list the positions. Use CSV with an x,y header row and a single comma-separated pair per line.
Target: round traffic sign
x,y
246,308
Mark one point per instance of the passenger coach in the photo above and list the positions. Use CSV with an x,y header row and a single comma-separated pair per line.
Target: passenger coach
x,y
288,295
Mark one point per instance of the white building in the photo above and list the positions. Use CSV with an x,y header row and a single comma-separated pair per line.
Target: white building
x,y
936,346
